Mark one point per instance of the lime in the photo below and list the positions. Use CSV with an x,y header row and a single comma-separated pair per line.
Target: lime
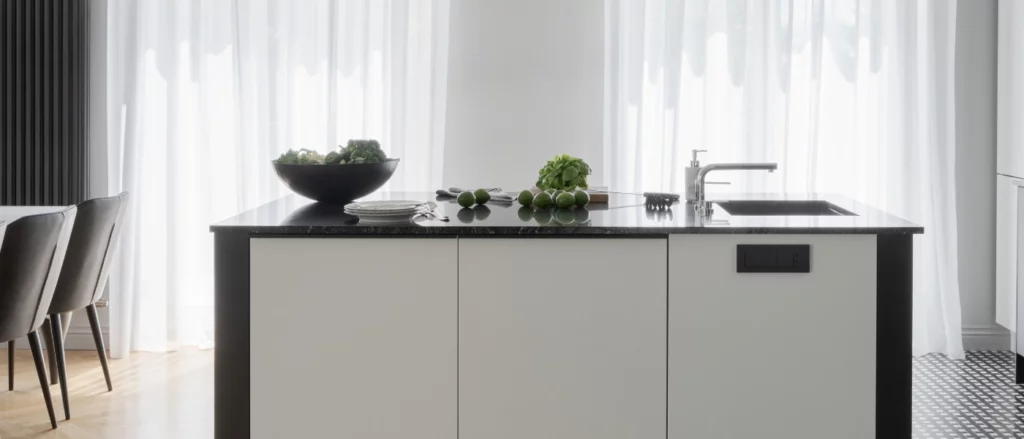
x,y
564,200
525,213
543,216
542,200
465,215
582,198
564,216
466,199
482,196
554,196
550,191
526,198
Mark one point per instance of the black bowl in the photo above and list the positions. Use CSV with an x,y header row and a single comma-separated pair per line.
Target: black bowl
x,y
336,184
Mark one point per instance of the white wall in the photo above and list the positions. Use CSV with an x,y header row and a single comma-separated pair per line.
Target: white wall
x,y
525,82
975,171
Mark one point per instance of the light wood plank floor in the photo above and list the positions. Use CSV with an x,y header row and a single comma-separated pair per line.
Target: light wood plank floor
x,y
156,396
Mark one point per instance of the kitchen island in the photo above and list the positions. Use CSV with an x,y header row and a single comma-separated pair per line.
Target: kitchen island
x,y
771,317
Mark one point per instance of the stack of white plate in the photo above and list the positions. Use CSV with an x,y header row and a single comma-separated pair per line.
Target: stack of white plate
x,y
389,211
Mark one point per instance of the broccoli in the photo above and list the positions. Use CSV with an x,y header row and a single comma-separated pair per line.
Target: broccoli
x,y
362,151
300,157
357,151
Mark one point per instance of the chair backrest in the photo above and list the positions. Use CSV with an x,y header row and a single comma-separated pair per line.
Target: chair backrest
x,y
31,255
93,243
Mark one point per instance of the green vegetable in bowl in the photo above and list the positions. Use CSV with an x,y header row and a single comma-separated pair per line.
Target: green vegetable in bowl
x,y
564,173
361,151
301,157
357,151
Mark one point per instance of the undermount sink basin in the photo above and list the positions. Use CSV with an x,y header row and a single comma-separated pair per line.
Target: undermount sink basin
x,y
782,207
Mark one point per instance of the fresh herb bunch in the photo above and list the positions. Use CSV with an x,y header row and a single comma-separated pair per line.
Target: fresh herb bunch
x,y
357,151
564,172
301,157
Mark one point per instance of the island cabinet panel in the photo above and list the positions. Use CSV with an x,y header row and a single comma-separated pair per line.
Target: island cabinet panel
x,y
562,338
776,354
354,338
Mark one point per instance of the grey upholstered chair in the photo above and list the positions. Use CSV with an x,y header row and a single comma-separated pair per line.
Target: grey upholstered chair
x,y
91,249
31,256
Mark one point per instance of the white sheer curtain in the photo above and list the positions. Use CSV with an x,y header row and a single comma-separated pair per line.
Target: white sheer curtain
x,y
849,96
203,94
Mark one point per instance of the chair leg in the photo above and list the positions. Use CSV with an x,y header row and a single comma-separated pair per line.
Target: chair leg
x,y
37,355
51,358
10,365
62,370
97,336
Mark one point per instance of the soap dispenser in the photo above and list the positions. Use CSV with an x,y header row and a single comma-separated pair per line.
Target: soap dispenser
x,y
690,176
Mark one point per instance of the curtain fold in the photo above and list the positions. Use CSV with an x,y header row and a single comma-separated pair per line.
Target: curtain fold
x,y
203,94
851,97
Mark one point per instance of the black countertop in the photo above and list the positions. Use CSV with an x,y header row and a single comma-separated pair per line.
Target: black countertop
x,y
623,215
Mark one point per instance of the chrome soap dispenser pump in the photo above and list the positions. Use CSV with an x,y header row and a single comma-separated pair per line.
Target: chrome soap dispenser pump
x,y
691,175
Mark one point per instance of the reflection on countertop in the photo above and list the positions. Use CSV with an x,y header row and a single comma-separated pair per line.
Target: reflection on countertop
x,y
622,215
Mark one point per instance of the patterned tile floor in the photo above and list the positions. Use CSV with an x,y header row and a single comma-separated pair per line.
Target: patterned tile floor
x,y
975,398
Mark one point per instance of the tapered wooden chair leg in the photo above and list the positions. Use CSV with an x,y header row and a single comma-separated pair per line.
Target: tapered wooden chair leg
x,y
97,337
37,355
10,365
62,370
51,358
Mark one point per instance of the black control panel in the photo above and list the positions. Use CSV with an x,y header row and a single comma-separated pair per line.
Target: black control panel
x,y
773,258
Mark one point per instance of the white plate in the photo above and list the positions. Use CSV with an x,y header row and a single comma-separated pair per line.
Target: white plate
x,y
385,207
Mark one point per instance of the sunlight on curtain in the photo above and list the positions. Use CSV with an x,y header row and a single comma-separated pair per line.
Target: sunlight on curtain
x,y
849,97
202,95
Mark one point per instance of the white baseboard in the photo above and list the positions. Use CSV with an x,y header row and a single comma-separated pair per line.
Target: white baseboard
x,y
986,338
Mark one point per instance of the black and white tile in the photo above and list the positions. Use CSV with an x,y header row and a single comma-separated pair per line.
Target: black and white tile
x,y
975,398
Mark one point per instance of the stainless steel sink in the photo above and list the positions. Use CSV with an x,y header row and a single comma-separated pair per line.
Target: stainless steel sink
x,y
782,207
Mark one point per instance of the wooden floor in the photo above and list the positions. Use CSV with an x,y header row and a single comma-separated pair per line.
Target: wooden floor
x,y
155,396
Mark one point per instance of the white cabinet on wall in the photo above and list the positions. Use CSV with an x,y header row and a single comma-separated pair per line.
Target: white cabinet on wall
x,y
562,338
772,355
354,338
1007,220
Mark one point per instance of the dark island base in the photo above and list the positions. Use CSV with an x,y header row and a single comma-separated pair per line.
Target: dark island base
x,y
894,375
231,326
1020,369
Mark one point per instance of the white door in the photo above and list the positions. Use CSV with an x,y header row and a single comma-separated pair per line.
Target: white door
x,y
772,355
354,338
562,338
1006,251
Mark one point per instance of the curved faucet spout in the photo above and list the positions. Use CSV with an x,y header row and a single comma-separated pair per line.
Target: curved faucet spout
x,y
703,172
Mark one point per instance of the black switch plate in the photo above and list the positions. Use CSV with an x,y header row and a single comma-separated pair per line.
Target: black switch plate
x,y
773,258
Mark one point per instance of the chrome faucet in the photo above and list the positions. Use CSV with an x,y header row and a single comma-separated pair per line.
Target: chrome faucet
x,y
702,205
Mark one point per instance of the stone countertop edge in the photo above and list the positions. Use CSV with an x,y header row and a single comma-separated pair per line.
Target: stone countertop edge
x,y
623,216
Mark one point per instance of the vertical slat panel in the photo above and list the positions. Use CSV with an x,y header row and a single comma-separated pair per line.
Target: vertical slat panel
x,y
44,119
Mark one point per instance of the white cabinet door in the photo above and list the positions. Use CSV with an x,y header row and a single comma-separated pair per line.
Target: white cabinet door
x,y
354,338
1019,281
562,338
1010,99
772,355
1006,251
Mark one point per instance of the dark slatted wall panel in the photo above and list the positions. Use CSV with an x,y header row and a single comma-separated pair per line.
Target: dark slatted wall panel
x,y
44,101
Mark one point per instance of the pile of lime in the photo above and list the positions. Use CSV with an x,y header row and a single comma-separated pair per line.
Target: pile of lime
x,y
468,199
554,198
